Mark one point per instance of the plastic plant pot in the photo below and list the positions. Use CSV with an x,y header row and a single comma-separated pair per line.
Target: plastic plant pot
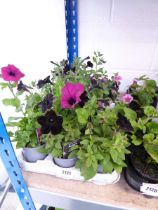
x,y
32,154
65,163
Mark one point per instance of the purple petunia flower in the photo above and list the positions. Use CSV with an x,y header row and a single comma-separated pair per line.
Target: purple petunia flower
x,y
47,102
11,73
22,87
127,99
71,95
41,82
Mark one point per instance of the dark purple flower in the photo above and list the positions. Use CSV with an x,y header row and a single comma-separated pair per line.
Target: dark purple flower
x,y
103,79
22,87
71,95
41,83
11,73
68,67
50,122
47,102
89,64
94,81
84,98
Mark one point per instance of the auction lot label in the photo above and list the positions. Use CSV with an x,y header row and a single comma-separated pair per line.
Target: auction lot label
x,y
149,189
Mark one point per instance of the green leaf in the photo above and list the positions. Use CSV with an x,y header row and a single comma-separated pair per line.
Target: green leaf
x,y
144,98
149,111
3,85
150,83
118,168
107,166
114,154
11,102
85,142
148,138
86,172
152,149
130,114
152,127
82,115
88,162
99,156
136,141
56,153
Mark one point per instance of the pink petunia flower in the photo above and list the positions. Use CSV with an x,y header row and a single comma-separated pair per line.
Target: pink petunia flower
x,y
71,95
127,99
117,78
11,73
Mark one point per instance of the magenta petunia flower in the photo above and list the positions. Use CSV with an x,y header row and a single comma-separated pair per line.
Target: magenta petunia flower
x,y
127,98
11,73
117,78
71,95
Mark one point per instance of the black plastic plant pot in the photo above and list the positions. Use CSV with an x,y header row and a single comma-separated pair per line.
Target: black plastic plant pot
x,y
132,178
146,170
138,172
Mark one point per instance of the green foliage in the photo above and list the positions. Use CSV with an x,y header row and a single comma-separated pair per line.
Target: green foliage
x,y
11,102
145,132
103,145
24,123
109,152
144,91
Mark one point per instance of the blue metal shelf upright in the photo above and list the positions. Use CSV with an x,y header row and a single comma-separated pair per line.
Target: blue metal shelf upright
x,y
12,166
71,19
7,153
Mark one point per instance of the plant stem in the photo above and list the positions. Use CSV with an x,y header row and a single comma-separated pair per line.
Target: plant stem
x,y
11,90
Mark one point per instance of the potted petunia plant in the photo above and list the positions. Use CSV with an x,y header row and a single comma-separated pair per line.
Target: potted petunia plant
x,y
143,160
144,92
25,130
80,126
142,129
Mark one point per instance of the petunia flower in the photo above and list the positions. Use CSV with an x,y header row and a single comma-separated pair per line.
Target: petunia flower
x,y
71,95
104,79
127,99
22,87
117,78
94,81
89,64
41,82
68,67
11,73
50,122
84,98
47,102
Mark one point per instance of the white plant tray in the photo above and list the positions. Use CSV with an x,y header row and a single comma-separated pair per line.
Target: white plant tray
x,y
47,166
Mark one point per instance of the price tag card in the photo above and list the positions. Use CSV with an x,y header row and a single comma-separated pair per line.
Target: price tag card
x,y
149,189
64,173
